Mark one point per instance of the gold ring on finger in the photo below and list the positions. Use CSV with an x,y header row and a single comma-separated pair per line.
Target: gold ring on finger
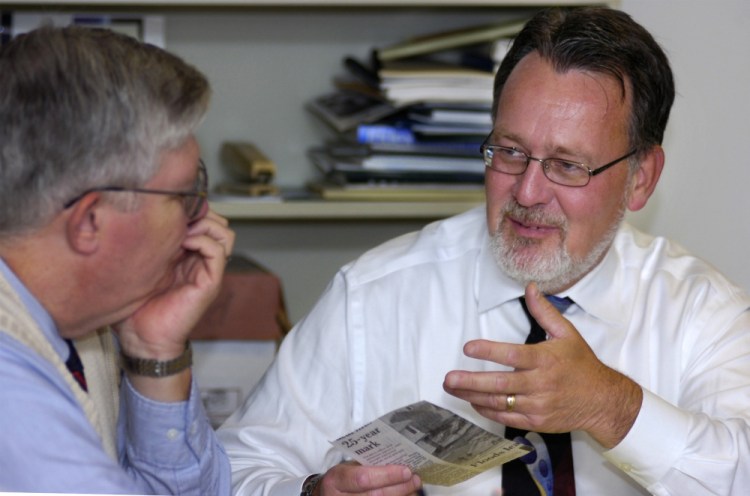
x,y
510,402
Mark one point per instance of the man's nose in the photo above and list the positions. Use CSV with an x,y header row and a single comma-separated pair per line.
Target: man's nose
x,y
533,187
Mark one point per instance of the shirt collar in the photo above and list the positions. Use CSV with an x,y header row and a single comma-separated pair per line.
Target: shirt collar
x,y
602,293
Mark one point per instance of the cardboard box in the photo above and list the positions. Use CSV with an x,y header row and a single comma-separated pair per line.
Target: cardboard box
x,y
250,305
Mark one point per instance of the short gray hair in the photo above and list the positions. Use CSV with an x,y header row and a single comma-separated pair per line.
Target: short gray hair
x,y
84,107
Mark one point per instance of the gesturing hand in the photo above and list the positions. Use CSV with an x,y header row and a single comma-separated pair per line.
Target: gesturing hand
x,y
559,385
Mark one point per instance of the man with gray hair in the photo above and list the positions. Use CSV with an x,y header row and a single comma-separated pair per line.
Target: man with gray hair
x,y
104,226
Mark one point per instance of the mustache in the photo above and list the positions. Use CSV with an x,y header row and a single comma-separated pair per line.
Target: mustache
x,y
533,215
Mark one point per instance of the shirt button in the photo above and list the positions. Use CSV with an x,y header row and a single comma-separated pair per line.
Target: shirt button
x,y
173,434
626,467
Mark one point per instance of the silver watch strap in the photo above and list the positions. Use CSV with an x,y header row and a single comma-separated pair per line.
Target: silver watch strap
x,y
157,368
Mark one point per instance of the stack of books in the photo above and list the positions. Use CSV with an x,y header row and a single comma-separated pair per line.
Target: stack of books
x,y
397,172
409,83
408,125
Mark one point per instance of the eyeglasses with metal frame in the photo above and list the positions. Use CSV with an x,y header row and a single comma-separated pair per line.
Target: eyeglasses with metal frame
x,y
512,161
192,201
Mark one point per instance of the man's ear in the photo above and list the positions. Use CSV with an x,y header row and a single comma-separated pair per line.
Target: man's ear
x,y
644,179
83,227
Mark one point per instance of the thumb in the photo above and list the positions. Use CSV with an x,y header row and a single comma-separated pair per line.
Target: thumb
x,y
545,313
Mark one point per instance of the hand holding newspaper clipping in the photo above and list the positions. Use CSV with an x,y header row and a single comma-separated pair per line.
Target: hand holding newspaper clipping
x,y
441,447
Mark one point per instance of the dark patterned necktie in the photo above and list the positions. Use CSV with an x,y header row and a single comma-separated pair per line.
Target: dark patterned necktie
x,y
75,366
548,470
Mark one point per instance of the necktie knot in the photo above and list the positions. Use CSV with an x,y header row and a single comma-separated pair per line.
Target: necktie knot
x,y
537,334
561,303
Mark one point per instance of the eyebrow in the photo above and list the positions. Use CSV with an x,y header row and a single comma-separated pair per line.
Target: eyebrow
x,y
555,153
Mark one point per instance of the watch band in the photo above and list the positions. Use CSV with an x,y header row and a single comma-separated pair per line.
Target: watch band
x,y
308,487
157,368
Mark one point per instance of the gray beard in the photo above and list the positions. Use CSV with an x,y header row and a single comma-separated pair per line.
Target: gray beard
x,y
551,272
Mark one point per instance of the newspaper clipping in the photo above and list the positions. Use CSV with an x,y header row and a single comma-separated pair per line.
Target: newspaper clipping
x,y
440,446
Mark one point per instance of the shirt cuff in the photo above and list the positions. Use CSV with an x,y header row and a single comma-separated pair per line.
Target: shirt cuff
x,y
167,434
654,443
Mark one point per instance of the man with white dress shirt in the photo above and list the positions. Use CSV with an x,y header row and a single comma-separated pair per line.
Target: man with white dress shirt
x,y
648,368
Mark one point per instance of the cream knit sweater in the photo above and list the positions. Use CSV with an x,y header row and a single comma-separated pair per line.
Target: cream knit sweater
x,y
98,354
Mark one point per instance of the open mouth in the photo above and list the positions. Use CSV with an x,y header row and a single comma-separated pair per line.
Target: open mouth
x,y
531,229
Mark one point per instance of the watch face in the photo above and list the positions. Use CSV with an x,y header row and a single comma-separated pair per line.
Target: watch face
x,y
310,484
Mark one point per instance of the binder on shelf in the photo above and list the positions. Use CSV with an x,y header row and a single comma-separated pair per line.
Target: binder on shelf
x,y
343,110
405,84
398,192
423,163
344,170
412,132
382,132
437,148
231,188
458,113
449,39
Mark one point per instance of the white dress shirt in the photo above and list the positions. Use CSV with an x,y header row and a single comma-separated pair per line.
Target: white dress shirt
x,y
393,323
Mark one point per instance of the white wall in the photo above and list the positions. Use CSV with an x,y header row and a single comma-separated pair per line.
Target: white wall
x,y
702,199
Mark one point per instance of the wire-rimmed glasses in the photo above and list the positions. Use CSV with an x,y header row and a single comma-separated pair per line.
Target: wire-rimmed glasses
x,y
565,172
192,201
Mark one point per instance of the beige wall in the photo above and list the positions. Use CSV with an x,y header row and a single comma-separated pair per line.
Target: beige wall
x,y
702,199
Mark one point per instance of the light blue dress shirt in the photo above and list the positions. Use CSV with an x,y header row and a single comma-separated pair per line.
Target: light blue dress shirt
x,y
48,444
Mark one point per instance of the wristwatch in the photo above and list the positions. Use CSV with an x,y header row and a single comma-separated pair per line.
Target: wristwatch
x,y
157,368
308,487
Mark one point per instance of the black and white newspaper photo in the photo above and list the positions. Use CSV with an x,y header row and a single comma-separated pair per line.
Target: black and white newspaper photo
x,y
440,446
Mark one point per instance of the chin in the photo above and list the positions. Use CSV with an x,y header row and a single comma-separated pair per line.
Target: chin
x,y
525,260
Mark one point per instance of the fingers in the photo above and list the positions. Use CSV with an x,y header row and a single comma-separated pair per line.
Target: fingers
x,y
512,355
215,229
540,388
492,390
387,480
209,243
520,356
513,404
531,382
546,314
483,382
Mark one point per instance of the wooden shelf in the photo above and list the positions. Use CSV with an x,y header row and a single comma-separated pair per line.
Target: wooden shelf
x,y
300,3
335,210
